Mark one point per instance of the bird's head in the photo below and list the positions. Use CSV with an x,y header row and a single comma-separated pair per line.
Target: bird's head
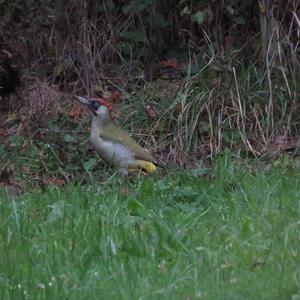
x,y
98,108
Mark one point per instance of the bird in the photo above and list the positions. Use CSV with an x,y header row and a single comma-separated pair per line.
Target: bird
x,y
114,145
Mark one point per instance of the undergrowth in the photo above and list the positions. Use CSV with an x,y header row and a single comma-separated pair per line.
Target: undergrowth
x,y
202,100
190,127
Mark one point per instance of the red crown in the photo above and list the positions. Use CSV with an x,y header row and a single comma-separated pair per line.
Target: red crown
x,y
102,102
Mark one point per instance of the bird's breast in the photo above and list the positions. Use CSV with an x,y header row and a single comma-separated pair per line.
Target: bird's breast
x,y
112,152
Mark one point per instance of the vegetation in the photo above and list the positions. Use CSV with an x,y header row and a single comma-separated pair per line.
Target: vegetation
x,y
211,88
233,235
215,75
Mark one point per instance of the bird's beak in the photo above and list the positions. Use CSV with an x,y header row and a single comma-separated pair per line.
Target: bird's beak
x,y
83,100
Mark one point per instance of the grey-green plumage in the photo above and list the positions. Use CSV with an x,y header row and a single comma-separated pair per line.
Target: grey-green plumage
x,y
111,132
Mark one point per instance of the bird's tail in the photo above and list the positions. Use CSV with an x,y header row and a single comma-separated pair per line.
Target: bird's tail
x,y
149,167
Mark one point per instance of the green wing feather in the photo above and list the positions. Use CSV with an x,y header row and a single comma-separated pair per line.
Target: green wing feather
x,y
113,133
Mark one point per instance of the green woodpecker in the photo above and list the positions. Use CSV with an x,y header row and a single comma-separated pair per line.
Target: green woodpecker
x,y
114,145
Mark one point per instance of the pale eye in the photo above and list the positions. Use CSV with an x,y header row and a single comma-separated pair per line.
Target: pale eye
x,y
96,105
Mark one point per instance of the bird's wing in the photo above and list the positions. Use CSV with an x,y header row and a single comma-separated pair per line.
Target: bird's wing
x,y
117,135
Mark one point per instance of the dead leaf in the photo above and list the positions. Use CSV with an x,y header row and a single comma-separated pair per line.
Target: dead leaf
x,y
107,95
169,63
77,111
178,108
114,96
117,95
54,181
151,113
125,191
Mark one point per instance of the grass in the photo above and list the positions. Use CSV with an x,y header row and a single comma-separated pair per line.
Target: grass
x,y
232,235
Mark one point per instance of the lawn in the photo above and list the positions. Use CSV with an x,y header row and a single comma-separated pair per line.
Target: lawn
x,y
232,233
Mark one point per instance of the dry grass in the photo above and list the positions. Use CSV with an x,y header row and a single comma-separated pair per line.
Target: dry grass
x,y
230,102
43,101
